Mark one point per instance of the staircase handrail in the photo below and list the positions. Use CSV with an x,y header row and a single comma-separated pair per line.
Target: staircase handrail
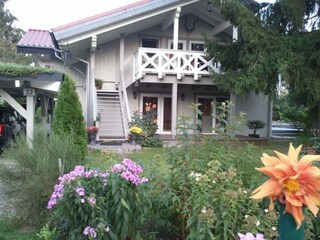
x,y
124,104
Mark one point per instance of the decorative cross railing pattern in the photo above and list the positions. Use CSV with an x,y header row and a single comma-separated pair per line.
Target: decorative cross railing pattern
x,y
174,62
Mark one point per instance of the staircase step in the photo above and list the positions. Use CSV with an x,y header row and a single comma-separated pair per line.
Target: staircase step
x,y
109,109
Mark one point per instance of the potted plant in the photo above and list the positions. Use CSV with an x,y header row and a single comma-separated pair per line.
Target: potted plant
x,y
98,83
255,125
92,133
134,134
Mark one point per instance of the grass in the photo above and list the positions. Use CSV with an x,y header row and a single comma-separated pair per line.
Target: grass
x,y
10,231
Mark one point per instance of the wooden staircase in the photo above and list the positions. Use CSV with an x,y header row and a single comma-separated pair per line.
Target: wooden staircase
x,y
111,126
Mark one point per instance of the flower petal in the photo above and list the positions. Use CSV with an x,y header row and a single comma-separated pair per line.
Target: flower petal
x,y
268,189
290,198
269,161
296,212
307,160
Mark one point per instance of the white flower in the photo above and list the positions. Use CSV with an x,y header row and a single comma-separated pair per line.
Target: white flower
x,y
198,174
258,223
245,191
274,228
246,216
266,210
213,181
204,210
197,179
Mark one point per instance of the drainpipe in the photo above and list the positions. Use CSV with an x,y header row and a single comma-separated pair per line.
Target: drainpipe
x,y
87,76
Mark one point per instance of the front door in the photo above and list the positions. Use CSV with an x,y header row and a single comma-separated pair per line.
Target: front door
x,y
207,106
163,110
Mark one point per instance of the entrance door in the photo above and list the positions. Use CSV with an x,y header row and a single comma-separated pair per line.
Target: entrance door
x,y
207,107
163,110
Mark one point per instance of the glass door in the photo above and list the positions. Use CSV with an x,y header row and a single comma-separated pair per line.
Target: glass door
x,y
162,105
207,105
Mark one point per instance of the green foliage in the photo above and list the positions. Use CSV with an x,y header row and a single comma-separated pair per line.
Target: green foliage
x,y
15,70
255,125
287,110
9,37
206,193
28,173
68,117
10,230
272,42
108,203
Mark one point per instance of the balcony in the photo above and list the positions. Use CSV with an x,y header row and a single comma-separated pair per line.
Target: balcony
x,y
164,62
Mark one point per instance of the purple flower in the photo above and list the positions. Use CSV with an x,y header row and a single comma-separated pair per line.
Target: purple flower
x,y
91,200
80,191
250,236
90,231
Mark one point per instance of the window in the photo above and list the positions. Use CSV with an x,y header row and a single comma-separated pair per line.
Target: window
x,y
181,44
150,42
195,46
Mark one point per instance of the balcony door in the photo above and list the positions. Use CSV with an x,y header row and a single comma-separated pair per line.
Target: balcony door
x,y
162,109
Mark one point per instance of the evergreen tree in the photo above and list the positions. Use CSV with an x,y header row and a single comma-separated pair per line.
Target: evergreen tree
x,y
9,37
68,118
279,39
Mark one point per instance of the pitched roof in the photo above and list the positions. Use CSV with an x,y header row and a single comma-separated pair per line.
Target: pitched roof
x,y
38,41
111,17
37,38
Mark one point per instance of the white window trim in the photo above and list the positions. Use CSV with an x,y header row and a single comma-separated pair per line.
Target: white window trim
x,y
213,114
146,37
200,42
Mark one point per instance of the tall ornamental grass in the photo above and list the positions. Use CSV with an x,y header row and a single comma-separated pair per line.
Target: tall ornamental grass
x,y
29,174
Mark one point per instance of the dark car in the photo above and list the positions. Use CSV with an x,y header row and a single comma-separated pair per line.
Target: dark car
x,y
11,124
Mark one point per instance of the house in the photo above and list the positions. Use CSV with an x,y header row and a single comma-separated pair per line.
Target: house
x,y
151,51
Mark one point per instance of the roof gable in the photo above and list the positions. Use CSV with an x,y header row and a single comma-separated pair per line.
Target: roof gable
x,y
123,14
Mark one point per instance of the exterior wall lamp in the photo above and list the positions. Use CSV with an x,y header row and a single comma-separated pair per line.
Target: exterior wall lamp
x,y
210,6
134,94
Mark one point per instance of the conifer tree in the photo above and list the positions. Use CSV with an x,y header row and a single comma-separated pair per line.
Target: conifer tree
x,y
68,117
275,39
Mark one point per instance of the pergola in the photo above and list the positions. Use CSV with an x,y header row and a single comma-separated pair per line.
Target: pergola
x,y
41,87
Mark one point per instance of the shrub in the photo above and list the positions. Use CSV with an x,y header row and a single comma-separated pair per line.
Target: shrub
x,y
102,205
206,195
147,122
68,116
30,173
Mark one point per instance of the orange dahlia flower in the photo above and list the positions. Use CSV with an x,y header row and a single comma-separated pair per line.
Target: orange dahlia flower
x,y
294,183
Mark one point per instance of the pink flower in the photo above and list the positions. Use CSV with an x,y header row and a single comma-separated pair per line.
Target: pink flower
x,y
250,236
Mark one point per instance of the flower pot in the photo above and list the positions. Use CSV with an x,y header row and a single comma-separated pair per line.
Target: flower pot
x,y
133,138
92,138
288,227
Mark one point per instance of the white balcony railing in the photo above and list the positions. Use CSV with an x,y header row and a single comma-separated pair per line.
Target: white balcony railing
x,y
172,62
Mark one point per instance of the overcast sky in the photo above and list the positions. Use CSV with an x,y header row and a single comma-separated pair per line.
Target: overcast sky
x,y
48,14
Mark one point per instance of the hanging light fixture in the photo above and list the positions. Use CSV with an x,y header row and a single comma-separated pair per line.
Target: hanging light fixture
x,y
134,94
210,6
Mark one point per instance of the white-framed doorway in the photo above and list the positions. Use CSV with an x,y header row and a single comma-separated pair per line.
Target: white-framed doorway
x,y
163,109
208,108
215,113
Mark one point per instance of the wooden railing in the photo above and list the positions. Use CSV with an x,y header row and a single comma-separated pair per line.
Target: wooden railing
x,y
172,62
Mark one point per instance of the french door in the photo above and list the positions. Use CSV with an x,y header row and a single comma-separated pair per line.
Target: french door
x,y
163,106
207,105
215,113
